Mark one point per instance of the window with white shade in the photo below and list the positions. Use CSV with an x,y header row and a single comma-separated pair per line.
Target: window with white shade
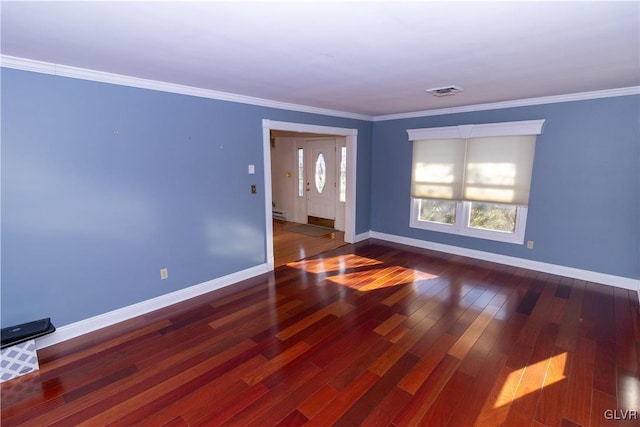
x,y
473,180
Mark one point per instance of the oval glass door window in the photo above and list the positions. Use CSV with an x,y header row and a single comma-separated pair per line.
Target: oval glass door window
x,y
321,174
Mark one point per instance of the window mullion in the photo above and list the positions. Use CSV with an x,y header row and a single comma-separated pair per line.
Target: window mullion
x,y
465,215
463,183
461,215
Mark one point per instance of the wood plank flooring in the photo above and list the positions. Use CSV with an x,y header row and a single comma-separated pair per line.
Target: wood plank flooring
x,y
372,334
290,246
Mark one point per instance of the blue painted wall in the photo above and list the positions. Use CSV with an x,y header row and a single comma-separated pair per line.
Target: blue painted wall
x,y
584,209
103,185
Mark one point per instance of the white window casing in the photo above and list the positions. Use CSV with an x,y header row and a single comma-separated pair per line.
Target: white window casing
x,y
489,163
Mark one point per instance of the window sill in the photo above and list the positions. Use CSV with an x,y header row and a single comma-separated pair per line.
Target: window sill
x,y
463,230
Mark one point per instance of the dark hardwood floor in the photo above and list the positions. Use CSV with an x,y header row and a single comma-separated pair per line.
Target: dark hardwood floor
x,y
365,334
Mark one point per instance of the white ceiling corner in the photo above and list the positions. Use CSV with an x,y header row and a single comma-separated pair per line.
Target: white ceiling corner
x,y
367,59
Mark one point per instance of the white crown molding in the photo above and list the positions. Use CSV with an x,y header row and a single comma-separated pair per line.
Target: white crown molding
x,y
526,127
25,64
100,76
73,330
583,96
559,270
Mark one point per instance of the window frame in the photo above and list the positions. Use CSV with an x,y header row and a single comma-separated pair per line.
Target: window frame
x,y
462,228
463,207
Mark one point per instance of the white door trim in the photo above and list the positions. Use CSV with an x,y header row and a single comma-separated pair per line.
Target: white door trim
x,y
352,155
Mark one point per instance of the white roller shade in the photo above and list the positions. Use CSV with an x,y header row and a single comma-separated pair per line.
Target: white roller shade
x,y
498,169
487,163
438,169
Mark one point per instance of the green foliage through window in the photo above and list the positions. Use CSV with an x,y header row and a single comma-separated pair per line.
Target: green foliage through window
x,y
442,211
494,217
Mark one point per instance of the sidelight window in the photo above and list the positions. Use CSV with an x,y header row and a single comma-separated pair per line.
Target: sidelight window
x,y
342,197
300,172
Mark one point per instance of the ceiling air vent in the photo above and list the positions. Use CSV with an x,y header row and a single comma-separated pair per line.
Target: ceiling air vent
x,y
445,91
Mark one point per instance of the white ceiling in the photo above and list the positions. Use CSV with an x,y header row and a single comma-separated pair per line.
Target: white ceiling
x,y
370,58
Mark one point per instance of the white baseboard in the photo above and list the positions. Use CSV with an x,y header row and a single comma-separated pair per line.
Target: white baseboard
x,y
361,237
576,273
91,324
100,321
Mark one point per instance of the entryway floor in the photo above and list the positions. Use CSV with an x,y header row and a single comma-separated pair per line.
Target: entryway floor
x,y
289,246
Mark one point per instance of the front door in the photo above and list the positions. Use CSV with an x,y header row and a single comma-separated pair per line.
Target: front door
x,y
321,178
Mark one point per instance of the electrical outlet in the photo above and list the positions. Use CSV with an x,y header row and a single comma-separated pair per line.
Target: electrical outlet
x,y
164,273
529,244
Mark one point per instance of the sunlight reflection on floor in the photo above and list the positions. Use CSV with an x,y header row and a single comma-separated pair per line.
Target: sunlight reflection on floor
x,y
361,273
514,388
337,263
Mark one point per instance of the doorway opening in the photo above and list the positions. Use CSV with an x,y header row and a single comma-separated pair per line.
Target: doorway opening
x,y
315,182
